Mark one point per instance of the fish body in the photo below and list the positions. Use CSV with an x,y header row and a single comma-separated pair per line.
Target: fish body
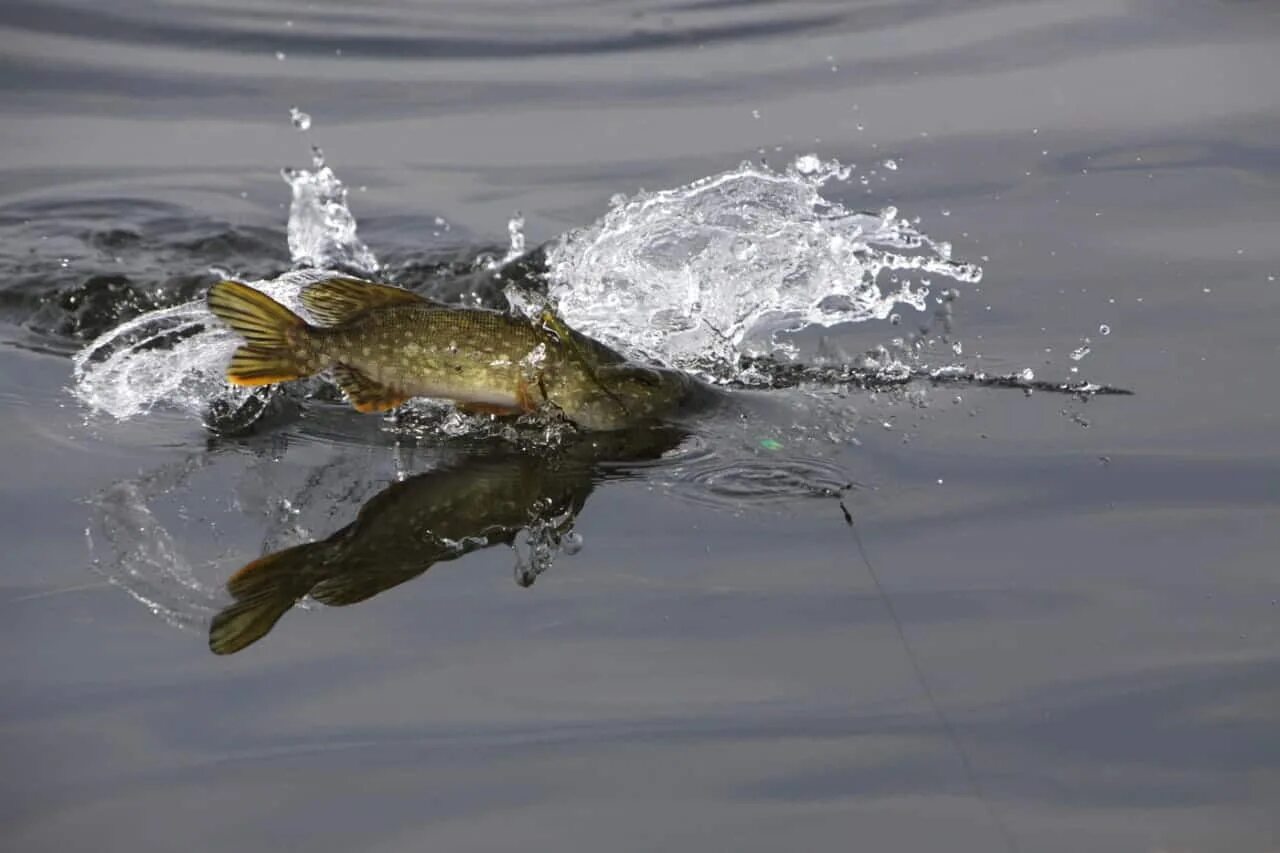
x,y
384,345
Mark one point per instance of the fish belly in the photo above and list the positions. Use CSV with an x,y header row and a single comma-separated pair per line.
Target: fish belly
x,y
477,395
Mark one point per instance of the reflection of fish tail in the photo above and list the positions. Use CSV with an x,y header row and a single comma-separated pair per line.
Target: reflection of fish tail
x,y
278,345
264,591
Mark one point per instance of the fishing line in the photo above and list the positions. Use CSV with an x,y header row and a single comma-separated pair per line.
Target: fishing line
x,y
944,721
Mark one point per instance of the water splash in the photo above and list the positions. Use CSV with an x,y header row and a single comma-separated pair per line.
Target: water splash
x,y
299,119
322,229
176,357
515,232
698,276
173,358
538,545
134,550
715,270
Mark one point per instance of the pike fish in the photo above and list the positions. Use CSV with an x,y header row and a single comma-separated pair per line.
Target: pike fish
x,y
383,345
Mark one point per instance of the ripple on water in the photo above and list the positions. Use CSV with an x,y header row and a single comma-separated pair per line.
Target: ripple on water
x,y
727,483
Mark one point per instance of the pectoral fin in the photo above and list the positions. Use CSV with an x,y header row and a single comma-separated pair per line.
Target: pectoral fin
x,y
365,394
335,301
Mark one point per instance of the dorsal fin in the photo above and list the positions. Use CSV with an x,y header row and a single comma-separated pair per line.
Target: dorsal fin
x,y
335,301
363,393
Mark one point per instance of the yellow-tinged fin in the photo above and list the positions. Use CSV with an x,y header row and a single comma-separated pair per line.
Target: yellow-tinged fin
x,y
271,572
259,319
274,335
365,394
254,366
245,622
335,301
264,590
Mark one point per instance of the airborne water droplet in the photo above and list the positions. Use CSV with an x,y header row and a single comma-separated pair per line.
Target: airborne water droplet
x,y
1104,329
301,120
808,164
571,543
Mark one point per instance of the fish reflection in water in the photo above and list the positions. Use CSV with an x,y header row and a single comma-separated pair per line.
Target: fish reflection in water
x,y
478,501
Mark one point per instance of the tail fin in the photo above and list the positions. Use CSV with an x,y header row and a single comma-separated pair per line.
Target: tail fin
x,y
244,623
264,591
275,337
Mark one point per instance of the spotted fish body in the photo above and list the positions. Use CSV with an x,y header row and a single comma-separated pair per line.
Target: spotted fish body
x,y
384,345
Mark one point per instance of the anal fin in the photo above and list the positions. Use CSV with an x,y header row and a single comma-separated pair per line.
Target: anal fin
x,y
365,394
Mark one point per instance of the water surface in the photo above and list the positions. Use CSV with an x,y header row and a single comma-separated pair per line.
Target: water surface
x,y
1053,625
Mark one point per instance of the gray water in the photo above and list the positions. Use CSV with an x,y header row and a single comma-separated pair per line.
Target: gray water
x,y
1052,626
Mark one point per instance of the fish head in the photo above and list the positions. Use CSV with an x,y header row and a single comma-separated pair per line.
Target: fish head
x,y
628,394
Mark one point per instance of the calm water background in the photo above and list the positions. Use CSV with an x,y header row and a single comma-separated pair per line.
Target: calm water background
x,y
1093,610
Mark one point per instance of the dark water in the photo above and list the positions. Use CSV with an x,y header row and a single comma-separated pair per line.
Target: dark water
x,y
1073,644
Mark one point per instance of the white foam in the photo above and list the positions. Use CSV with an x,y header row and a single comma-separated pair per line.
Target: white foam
x,y
716,269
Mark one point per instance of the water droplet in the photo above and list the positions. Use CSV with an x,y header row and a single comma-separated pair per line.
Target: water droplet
x,y
317,157
280,55
891,165
1080,352
755,114
1076,418
1027,375
301,120
571,543
1104,330
808,164
895,319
